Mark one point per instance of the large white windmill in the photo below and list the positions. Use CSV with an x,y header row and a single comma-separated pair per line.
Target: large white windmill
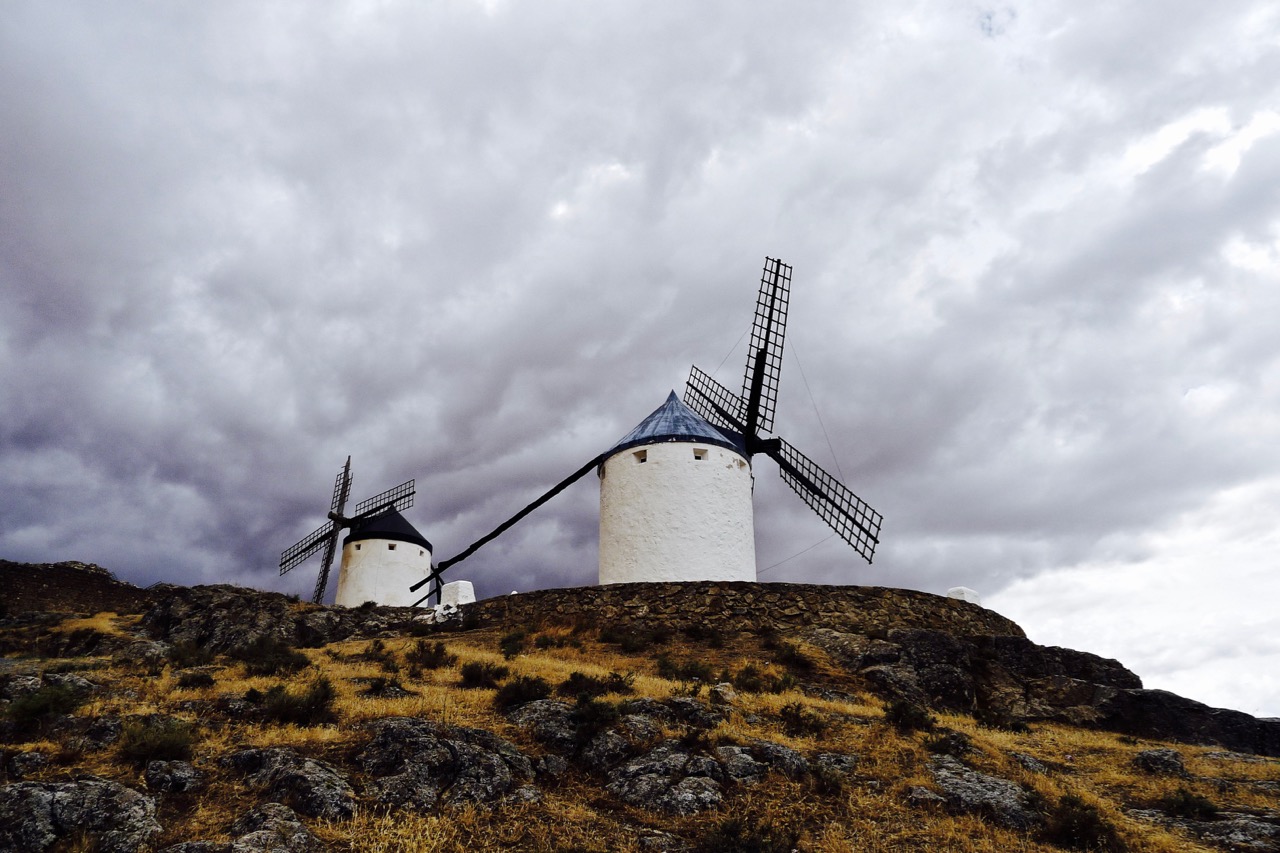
x,y
675,492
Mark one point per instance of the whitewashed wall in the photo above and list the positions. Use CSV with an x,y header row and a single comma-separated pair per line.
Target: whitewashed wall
x,y
674,517
375,572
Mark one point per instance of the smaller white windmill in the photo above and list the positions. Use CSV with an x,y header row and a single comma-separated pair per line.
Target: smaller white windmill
x,y
381,556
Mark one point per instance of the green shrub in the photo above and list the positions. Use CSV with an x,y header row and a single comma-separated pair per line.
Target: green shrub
x,y
43,705
738,835
1184,803
752,680
582,686
512,644
799,721
377,652
906,716
790,656
1077,825
430,655
187,654
690,670
956,744
520,690
592,716
269,656
313,706
195,679
163,739
479,674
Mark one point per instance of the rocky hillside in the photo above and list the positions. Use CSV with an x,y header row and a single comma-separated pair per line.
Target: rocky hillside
x,y
755,717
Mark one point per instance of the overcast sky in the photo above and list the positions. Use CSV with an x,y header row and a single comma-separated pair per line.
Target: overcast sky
x,y
1036,252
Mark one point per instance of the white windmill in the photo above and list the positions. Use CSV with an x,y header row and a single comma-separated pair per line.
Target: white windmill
x,y
675,492
381,556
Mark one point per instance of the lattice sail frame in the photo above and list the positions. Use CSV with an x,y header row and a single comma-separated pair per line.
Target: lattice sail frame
x,y
398,499
768,329
720,406
842,510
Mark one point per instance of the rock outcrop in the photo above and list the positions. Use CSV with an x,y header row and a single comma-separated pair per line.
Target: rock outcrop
x,y
36,816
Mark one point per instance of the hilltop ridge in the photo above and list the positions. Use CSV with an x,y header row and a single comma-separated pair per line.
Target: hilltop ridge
x,y
693,716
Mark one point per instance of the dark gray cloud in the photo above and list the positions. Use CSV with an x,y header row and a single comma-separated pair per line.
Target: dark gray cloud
x,y
1035,252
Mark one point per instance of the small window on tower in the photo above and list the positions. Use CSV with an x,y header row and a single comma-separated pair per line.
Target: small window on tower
x,y
699,453
419,552
391,547
642,455
357,546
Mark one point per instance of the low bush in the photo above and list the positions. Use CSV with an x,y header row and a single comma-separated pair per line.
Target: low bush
x,y
790,656
1184,803
195,679
313,706
377,652
953,743
753,680
690,670
430,655
512,643
799,721
187,654
906,716
269,656
1076,825
519,690
738,835
162,739
592,716
479,674
36,709
582,686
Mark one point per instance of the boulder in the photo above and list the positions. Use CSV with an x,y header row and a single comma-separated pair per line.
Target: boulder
x,y
668,778
310,787
967,790
35,816
172,777
418,764
273,828
550,722
1160,762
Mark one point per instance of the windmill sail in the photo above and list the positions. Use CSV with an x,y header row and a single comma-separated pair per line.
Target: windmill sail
x,y
714,402
764,359
846,513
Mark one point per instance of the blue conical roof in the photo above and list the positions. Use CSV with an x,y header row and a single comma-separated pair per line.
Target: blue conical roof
x,y
674,421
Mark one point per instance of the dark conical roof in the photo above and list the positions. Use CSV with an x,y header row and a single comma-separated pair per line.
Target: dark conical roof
x,y
674,421
391,525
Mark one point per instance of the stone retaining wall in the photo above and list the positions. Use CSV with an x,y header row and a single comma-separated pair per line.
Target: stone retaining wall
x,y
730,607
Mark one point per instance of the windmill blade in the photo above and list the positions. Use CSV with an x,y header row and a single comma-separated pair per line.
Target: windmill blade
x,y
846,513
307,546
317,596
341,488
714,402
398,499
764,359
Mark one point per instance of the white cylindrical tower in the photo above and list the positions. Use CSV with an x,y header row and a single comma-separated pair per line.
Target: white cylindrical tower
x,y
675,502
381,559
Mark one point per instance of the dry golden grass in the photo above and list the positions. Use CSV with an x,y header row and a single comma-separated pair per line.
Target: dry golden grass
x,y
869,813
